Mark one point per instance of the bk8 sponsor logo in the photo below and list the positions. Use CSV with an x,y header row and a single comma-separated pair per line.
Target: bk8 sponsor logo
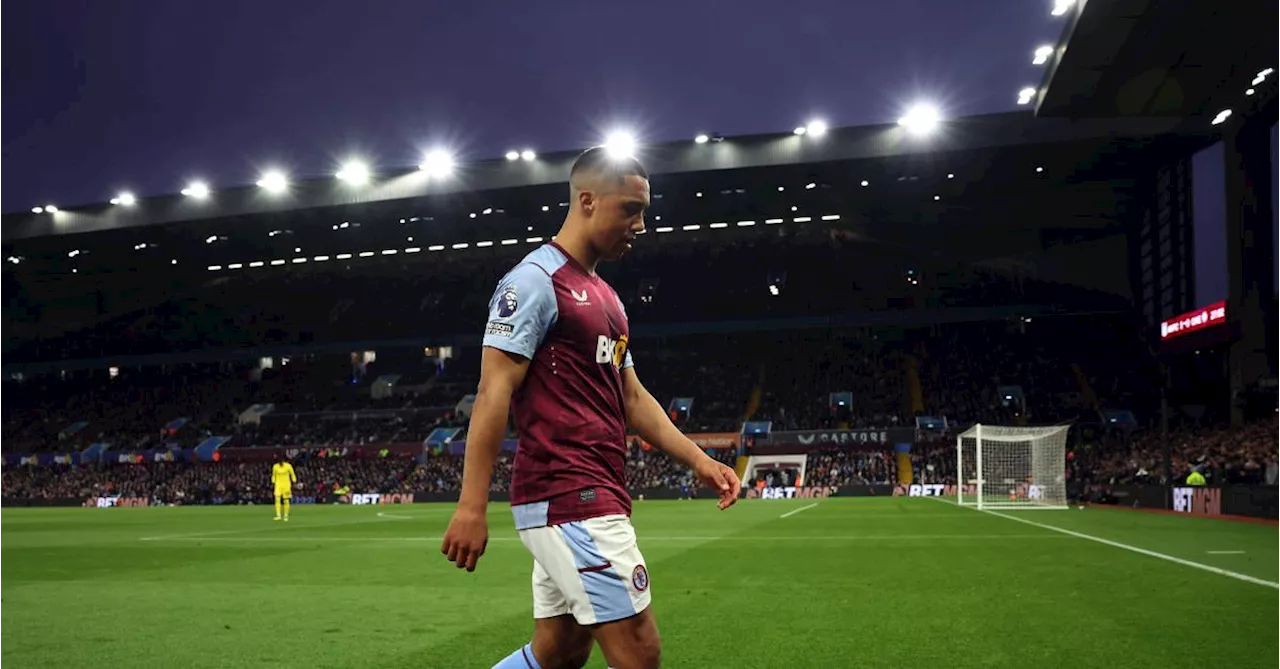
x,y
611,350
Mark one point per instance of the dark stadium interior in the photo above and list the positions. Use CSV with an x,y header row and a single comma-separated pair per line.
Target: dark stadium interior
x,y
919,282
991,385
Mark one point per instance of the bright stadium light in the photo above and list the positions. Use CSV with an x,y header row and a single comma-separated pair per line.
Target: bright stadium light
x,y
37,210
1026,94
124,199
1042,55
196,189
354,172
1222,117
816,128
701,139
1061,7
437,163
620,144
273,181
921,119
50,209
528,155
800,130
513,155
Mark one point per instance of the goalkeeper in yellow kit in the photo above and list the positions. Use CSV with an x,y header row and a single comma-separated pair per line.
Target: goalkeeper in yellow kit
x,y
283,478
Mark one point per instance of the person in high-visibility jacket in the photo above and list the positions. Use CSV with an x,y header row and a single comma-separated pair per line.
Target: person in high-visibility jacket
x,y
283,479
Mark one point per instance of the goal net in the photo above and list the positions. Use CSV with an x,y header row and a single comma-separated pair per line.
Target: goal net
x,y
1000,467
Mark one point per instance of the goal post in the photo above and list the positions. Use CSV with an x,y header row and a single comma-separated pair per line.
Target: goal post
x,y
1003,467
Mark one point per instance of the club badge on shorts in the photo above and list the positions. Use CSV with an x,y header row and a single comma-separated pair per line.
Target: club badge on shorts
x,y
640,578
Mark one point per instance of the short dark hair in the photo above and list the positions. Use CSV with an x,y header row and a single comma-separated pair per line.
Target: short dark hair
x,y
598,161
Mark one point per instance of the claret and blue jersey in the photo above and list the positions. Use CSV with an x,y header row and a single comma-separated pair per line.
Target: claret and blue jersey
x,y
570,411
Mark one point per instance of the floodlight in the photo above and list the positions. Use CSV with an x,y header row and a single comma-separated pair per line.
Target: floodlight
x,y
513,155
1025,95
354,172
1042,55
620,145
701,139
921,119
273,181
125,199
528,155
816,128
196,189
437,163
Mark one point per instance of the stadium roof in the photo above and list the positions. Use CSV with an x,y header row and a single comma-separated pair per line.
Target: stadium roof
x,y
965,192
1160,58
880,144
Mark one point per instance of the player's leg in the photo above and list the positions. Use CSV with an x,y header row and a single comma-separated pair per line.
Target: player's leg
x,y
603,577
625,628
630,643
558,640
277,496
286,498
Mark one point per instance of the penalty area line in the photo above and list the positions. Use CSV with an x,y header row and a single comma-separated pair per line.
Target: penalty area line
x,y
1141,551
795,511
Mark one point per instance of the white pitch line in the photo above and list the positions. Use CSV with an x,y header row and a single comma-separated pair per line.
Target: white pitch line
x,y
394,516
644,539
1142,551
795,511
1225,552
264,528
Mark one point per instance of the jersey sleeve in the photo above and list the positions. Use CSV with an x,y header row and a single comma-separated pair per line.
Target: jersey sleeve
x,y
521,312
293,476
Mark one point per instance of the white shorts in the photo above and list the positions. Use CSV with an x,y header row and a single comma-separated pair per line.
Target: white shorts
x,y
590,568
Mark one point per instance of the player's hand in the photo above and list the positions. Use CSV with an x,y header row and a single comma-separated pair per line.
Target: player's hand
x,y
466,538
721,478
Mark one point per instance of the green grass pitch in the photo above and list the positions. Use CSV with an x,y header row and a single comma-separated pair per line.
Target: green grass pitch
x,y
867,582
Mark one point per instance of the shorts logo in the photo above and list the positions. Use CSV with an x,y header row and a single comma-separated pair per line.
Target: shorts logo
x,y
640,578
507,302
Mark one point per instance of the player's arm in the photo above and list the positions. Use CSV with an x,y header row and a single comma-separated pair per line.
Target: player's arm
x,y
521,312
293,476
648,418
501,373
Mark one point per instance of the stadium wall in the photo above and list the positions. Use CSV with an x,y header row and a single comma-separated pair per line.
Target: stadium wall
x,y
1208,501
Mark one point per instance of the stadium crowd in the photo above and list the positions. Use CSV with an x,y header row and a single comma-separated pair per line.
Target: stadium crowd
x,y
1223,456
891,375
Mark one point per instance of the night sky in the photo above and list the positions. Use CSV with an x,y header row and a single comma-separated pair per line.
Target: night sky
x,y
144,95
